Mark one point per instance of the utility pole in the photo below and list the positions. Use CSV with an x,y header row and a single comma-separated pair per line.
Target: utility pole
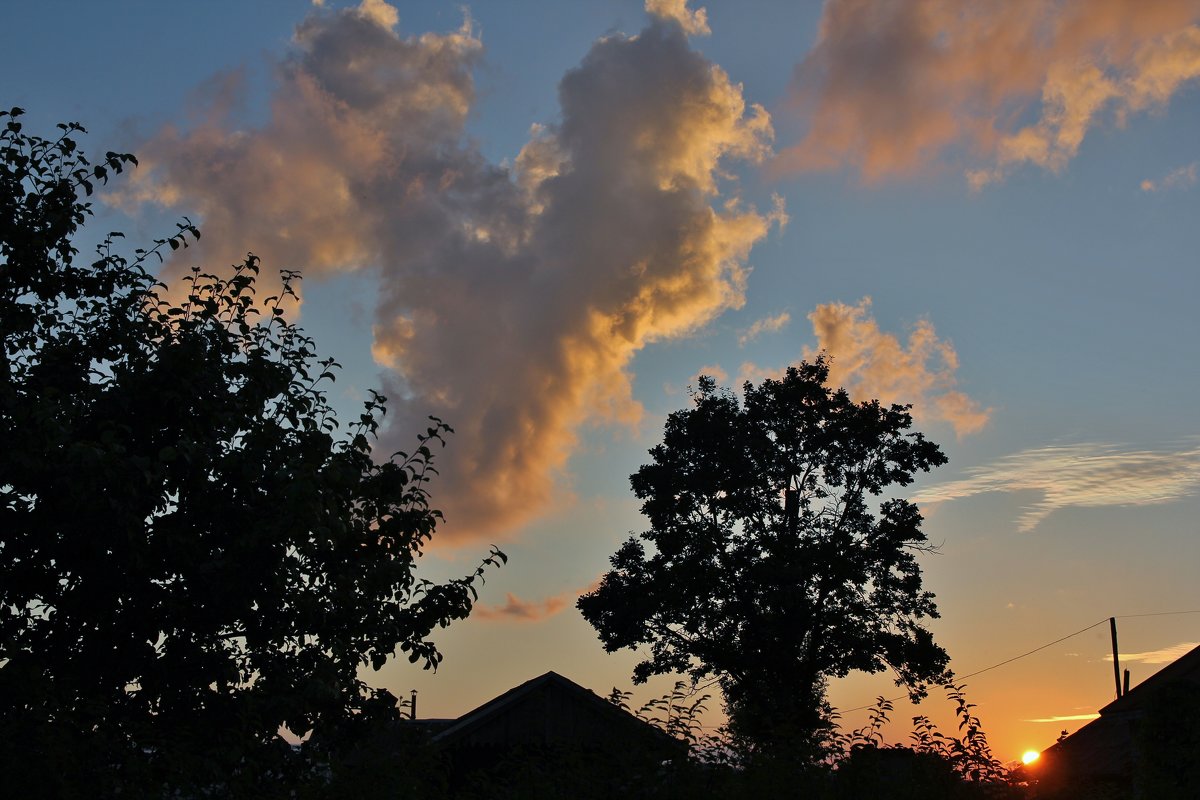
x,y
1112,625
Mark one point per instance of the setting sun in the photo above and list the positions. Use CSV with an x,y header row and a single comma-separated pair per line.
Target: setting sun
x,y
1030,756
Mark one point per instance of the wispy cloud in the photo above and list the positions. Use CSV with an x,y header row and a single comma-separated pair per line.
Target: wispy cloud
x,y
890,89
754,373
1064,718
1182,178
1163,656
516,609
506,305
772,324
1089,475
874,364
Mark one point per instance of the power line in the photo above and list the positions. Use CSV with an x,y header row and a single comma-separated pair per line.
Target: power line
x,y
1005,661
1000,664
1031,652
1157,614
1039,649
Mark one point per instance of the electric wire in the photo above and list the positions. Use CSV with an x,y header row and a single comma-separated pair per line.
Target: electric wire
x,y
1157,614
1031,652
997,665
1037,650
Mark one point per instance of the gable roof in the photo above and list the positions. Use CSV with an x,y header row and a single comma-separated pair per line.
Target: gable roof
x,y
550,709
1105,747
1186,668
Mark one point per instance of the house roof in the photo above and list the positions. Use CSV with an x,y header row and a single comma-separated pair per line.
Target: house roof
x,y
499,707
1105,746
1185,668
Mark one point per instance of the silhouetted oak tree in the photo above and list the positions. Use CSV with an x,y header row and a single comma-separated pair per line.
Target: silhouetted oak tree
x,y
191,554
774,560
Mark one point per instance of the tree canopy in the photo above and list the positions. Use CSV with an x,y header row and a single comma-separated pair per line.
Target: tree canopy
x,y
773,561
193,552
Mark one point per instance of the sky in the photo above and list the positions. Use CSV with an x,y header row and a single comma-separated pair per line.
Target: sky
x,y
542,221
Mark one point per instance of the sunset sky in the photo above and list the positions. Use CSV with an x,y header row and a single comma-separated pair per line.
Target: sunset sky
x,y
542,220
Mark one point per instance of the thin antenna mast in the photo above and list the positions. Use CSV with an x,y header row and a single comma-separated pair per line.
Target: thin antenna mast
x,y
1112,626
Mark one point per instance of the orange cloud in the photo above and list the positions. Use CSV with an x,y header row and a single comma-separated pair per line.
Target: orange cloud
x,y
874,364
772,324
516,609
890,89
1181,178
694,23
1164,655
505,303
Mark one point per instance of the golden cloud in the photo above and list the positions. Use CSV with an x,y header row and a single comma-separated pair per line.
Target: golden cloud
x,y
1181,178
1164,655
873,364
771,324
516,609
506,304
1064,718
890,89
694,23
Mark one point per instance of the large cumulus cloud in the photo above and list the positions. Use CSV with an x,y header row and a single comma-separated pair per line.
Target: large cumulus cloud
x,y
510,302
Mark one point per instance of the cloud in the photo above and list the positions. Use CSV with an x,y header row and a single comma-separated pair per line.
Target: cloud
x,y
1164,656
1091,475
505,303
694,23
1181,178
379,12
1065,718
714,371
890,89
873,364
772,324
516,609
751,372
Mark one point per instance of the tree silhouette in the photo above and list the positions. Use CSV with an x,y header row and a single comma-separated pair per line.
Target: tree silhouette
x,y
773,567
191,555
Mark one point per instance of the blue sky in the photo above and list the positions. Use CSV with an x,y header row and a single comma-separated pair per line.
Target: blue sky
x,y
1053,304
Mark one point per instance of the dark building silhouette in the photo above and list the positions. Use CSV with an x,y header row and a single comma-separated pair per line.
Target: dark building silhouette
x,y
551,711
1143,744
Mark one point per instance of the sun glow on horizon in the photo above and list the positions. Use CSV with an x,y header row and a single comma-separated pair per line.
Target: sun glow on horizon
x,y
1030,756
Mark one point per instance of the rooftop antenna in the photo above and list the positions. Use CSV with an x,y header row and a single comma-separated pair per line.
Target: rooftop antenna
x,y
1112,626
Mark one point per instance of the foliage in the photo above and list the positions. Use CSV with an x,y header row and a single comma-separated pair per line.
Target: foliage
x,y
774,566
932,765
969,755
858,763
676,713
190,556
